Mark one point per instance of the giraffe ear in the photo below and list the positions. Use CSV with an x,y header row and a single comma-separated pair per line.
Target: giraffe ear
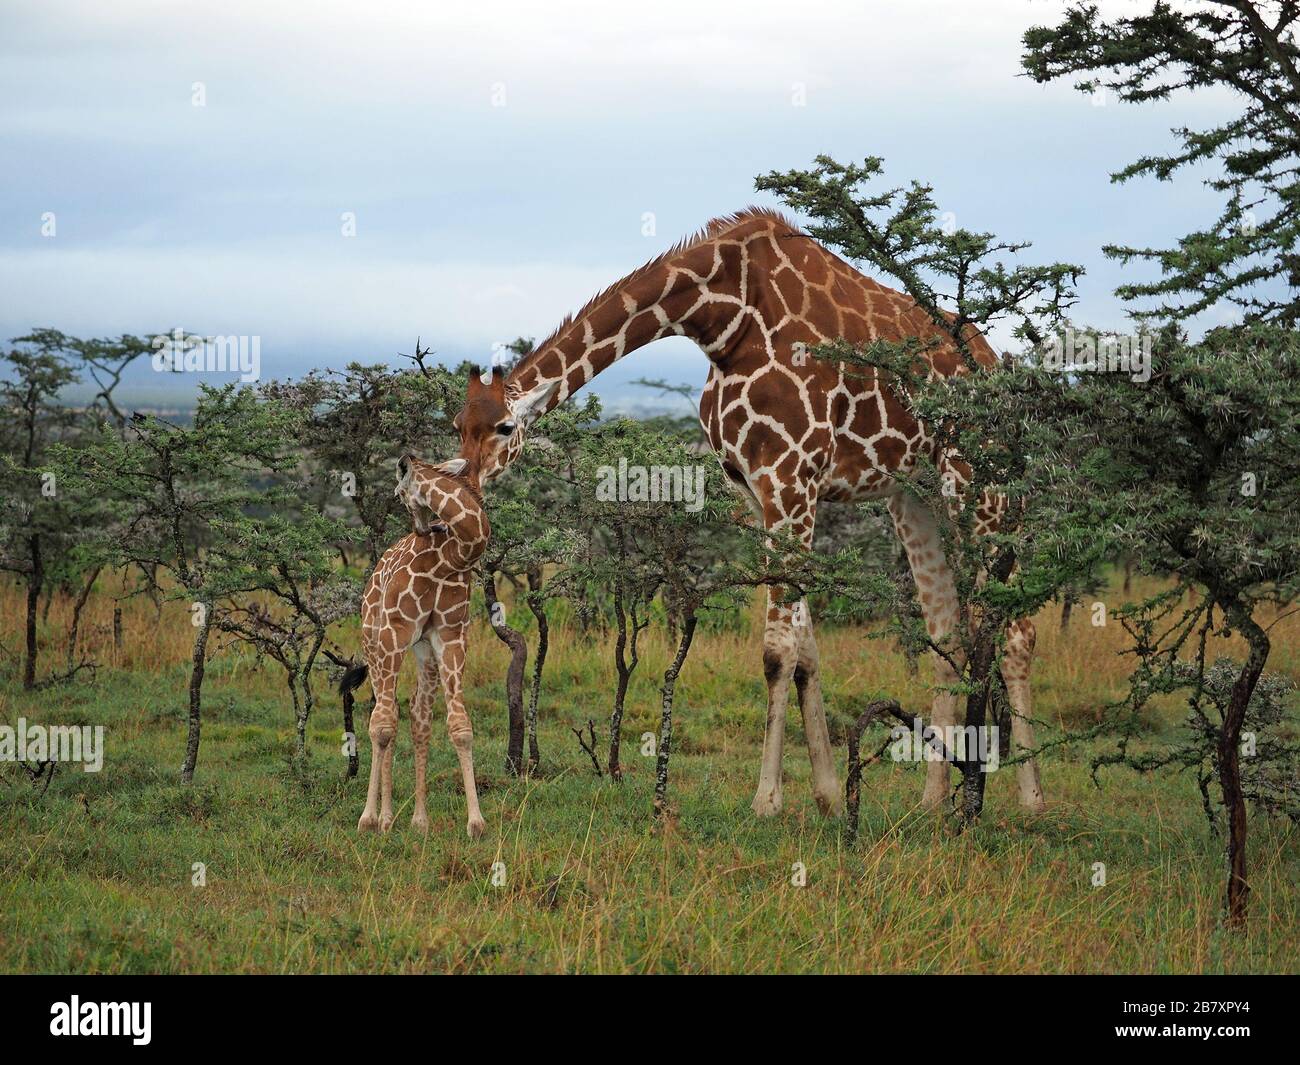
x,y
530,406
455,466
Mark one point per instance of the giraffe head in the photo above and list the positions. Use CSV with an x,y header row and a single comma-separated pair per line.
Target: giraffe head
x,y
494,419
431,492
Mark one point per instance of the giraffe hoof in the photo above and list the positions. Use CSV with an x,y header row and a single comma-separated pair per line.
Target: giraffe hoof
x,y
420,823
830,804
476,827
368,823
386,825
767,805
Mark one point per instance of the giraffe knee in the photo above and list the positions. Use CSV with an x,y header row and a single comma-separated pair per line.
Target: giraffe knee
x,y
777,662
1016,662
1022,635
780,651
382,733
461,733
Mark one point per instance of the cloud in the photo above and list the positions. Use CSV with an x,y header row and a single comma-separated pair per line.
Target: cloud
x,y
293,301
479,223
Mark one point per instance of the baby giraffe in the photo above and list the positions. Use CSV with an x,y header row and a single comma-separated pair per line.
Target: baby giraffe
x,y
417,600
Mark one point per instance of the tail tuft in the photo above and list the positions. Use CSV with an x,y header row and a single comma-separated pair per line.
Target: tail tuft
x,y
353,679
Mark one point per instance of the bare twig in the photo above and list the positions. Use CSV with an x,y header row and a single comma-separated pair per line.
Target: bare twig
x,y
589,746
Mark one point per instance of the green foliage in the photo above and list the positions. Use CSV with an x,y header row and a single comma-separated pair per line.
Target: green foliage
x,y
1247,256
958,277
354,424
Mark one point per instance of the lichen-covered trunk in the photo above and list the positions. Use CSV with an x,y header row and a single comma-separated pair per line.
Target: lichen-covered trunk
x,y
513,639
197,661
666,717
308,694
299,718
971,765
624,672
35,578
1234,798
75,627
543,642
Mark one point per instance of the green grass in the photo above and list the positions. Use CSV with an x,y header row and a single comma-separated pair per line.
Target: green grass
x,y
96,874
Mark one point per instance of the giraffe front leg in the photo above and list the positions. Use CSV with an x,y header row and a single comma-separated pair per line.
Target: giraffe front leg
x,y
807,682
450,646
1016,663
780,655
421,712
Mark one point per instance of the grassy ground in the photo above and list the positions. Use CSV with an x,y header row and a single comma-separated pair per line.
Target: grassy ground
x,y
96,874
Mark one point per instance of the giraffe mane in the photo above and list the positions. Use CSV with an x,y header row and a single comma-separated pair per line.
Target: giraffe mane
x,y
711,229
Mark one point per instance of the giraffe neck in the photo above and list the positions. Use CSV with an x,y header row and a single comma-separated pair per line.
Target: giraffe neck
x,y
680,294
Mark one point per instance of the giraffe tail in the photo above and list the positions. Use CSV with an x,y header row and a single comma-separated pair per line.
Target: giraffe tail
x,y
353,679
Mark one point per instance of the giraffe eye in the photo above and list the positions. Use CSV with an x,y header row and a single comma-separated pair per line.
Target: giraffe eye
x,y
506,428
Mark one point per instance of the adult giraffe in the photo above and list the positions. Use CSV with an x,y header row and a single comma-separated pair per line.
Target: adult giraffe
x,y
755,294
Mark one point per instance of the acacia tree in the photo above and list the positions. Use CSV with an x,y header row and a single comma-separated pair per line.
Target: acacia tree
x,y
288,559
182,498
1193,475
611,549
33,514
1216,432
40,527
1249,256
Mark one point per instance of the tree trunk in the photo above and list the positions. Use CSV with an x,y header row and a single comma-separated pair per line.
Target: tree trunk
x,y
972,769
1067,609
117,633
543,641
76,617
853,778
666,719
620,691
35,578
1234,799
514,674
197,661
304,678
299,718
980,677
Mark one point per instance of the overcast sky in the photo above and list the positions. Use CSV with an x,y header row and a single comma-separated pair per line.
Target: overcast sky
x,y
499,157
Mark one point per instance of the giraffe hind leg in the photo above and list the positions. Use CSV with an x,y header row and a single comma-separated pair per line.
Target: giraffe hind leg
x,y
421,712
385,664
937,591
1016,663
